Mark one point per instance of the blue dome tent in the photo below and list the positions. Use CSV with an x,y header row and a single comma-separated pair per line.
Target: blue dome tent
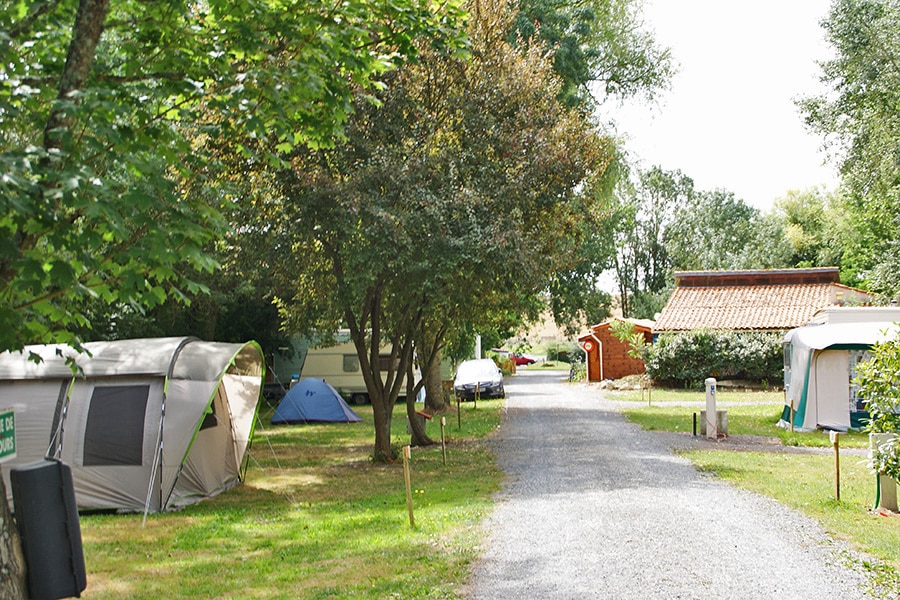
x,y
313,401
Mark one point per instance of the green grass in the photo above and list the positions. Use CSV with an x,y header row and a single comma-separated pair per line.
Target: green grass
x,y
804,482
749,413
315,518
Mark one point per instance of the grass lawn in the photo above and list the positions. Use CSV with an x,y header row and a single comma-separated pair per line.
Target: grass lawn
x,y
315,518
804,482
749,413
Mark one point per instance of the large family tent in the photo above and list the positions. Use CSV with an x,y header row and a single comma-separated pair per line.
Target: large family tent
x,y
313,401
146,425
819,369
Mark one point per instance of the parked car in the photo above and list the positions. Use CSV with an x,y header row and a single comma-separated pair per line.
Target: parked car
x,y
483,374
521,360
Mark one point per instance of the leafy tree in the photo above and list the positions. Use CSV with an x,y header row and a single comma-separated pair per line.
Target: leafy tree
x,y
110,112
858,119
576,295
445,209
111,115
879,385
601,47
710,231
642,218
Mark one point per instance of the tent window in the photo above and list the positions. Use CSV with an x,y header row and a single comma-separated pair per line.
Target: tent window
x,y
210,419
114,434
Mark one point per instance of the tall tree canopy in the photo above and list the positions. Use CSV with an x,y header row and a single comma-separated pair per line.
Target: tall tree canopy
x,y
601,47
859,120
109,117
446,207
710,230
644,211
109,113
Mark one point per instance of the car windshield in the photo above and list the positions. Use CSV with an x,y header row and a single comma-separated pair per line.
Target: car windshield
x,y
477,369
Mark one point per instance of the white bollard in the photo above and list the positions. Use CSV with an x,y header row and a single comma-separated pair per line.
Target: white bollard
x,y
712,430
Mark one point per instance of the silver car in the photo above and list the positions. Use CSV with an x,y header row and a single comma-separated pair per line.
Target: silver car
x,y
482,374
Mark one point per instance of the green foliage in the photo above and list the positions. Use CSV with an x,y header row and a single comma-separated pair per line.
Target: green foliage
x,y
643,212
857,117
602,42
879,384
111,125
710,231
624,331
689,358
446,212
566,352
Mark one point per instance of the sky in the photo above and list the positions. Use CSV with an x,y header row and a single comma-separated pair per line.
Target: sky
x,y
729,120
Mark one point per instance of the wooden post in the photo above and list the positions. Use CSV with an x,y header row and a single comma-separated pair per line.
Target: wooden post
x,y
477,394
409,504
458,415
835,437
443,443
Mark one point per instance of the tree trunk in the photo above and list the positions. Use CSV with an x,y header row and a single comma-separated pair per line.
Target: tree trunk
x,y
86,32
382,411
12,564
418,435
435,397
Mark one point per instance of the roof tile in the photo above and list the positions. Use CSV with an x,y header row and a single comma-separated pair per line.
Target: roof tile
x,y
758,307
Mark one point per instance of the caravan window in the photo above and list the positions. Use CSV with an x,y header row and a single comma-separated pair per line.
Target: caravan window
x,y
351,363
114,434
385,363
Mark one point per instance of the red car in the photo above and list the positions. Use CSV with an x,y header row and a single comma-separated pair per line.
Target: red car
x,y
521,359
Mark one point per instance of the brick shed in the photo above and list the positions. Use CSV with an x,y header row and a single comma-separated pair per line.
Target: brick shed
x,y
607,357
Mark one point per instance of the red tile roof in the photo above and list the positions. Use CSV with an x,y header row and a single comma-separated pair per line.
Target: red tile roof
x,y
751,307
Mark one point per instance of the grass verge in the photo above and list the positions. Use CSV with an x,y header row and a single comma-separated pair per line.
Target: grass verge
x,y
749,413
314,519
804,482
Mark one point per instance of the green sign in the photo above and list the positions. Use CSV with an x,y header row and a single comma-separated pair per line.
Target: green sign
x,y
7,434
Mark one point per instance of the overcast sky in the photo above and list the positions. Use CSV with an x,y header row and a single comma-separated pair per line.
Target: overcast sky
x,y
729,120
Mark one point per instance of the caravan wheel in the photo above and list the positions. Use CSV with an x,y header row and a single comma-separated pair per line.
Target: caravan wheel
x,y
359,399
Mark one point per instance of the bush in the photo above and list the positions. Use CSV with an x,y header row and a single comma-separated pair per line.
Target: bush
x,y
567,352
879,384
687,359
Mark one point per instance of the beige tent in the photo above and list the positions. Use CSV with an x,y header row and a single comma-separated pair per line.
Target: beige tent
x,y
819,371
146,425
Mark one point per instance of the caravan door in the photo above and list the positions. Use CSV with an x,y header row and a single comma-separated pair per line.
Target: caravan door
x,y
830,386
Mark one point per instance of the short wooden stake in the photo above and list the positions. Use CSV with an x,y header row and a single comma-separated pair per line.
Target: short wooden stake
x,y
443,442
477,395
835,442
409,503
458,415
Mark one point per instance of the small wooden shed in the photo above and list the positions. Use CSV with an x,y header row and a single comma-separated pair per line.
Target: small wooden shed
x,y
607,357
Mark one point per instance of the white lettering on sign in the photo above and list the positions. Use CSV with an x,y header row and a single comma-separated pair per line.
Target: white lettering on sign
x,y
7,434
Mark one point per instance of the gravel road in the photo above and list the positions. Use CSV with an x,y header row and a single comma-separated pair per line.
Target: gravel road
x,y
597,508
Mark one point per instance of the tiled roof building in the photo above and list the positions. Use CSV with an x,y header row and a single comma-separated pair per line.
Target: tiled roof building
x,y
766,300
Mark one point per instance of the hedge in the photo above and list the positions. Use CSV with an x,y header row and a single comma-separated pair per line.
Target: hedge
x,y
687,359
